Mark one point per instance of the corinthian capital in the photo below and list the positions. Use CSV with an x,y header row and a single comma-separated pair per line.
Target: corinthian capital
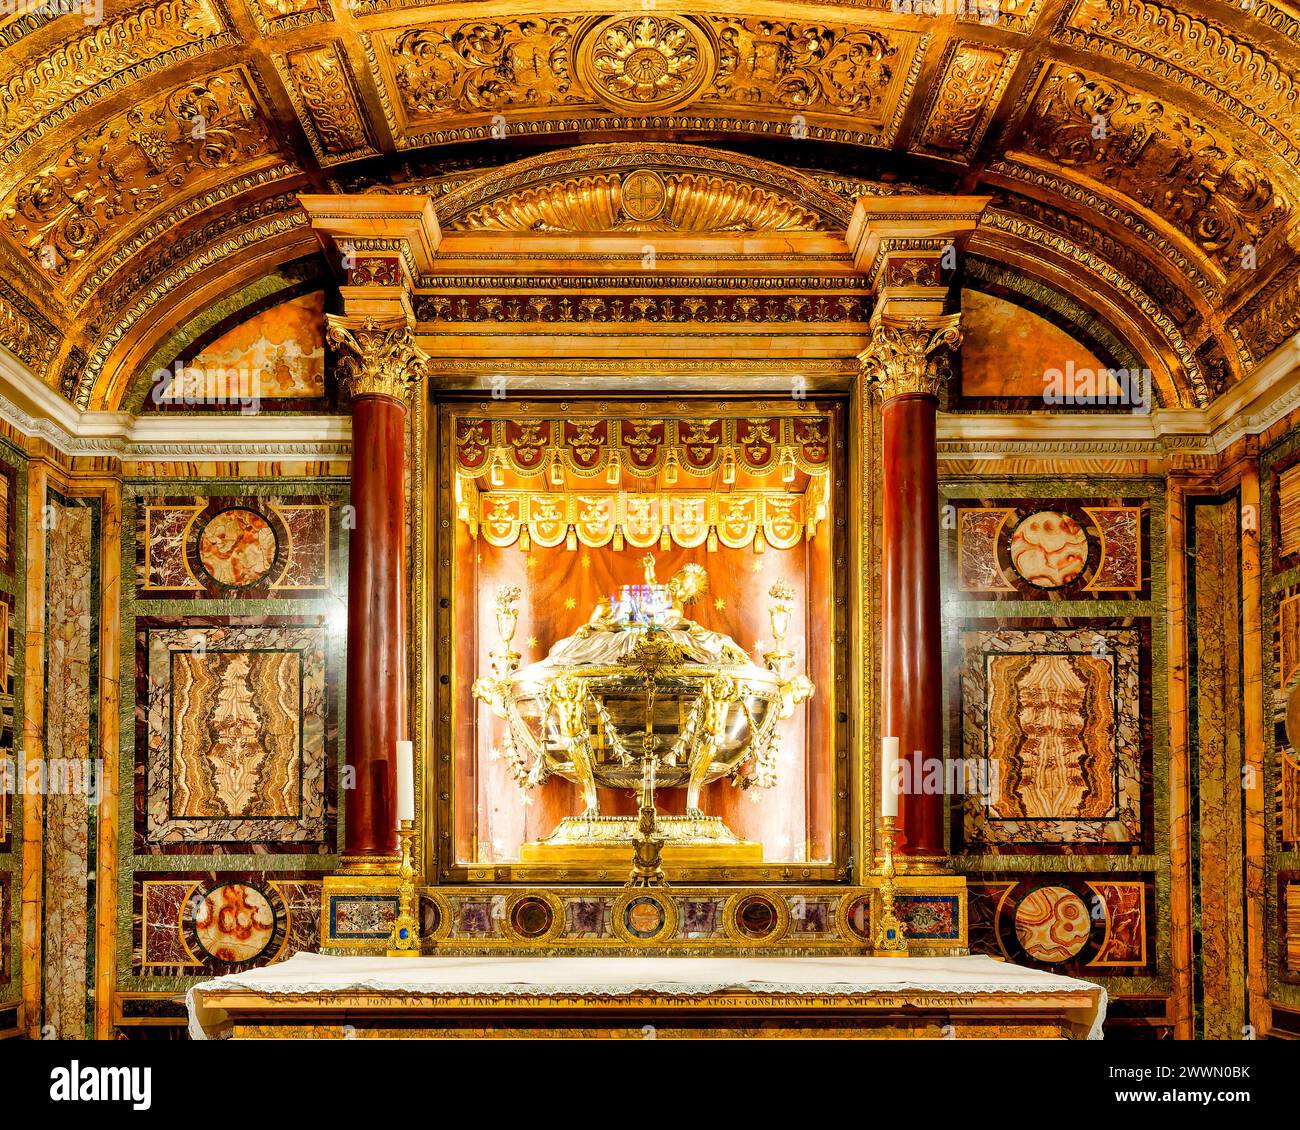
x,y
376,357
910,355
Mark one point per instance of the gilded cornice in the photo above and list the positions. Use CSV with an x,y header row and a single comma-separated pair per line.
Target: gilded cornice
x,y
376,357
911,356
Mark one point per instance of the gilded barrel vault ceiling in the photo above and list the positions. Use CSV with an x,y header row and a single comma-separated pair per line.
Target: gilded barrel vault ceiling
x,y
1143,158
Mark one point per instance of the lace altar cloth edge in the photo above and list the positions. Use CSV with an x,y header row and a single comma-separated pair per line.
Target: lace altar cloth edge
x,y
310,973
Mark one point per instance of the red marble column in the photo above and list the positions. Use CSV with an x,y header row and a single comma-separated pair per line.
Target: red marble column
x,y
376,668
911,666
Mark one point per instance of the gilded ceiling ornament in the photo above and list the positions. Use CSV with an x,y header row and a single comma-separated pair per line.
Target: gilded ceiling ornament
x,y
651,61
1197,53
133,163
1171,163
87,66
966,98
483,66
910,355
323,92
376,357
802,66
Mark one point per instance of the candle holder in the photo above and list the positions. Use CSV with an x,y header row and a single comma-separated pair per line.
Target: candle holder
x,y
890,939
405,939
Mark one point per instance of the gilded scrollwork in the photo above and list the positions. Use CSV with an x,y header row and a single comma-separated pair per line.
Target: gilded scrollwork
x,y
104,56
484,66
322,87
376,357
1160,156
967,96
131,164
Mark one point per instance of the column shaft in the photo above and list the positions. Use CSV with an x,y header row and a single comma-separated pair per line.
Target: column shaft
x,y
376,690
912,675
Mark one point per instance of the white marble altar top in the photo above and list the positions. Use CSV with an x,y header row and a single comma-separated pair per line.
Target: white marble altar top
x,y
620,976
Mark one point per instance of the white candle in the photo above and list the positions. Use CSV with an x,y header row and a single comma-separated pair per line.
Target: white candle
x,y
888,777
406,781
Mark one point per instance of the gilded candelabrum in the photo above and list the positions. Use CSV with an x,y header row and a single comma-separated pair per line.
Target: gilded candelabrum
x,y
648,840
405,939
891,936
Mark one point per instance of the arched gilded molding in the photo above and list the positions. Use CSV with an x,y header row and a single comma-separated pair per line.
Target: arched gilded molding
x,y
101,165
122,355
255,296
583,189
1131,314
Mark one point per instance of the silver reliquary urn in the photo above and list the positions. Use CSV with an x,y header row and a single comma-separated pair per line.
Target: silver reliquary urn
x,y
638,683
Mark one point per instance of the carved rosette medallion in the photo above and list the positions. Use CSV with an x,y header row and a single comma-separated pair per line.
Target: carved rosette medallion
x,y
652,61
911,356
376,357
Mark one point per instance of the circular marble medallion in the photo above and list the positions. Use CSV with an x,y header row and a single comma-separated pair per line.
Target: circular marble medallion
x,y
1048,549
532,917
1052,924
234,923
644,917
237,547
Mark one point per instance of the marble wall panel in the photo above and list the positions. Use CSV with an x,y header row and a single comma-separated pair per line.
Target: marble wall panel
x,y
234,738
1048,549
73,777
224,547
1065,922
1053,719
211,922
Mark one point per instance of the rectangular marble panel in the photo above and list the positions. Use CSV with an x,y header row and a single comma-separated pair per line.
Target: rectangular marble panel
x,y
235,737
70,806
1053,719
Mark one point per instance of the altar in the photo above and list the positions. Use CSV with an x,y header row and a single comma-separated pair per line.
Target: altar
x,y
312,996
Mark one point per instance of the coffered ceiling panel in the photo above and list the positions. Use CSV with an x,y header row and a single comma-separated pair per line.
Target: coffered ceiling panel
x,y
150,159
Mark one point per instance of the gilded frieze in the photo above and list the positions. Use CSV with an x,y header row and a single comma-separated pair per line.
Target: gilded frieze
x,y
651,62
1168,161
108,56
1199,54
134,164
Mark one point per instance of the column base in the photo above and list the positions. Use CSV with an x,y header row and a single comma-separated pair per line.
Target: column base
x,y
369,865
918,864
